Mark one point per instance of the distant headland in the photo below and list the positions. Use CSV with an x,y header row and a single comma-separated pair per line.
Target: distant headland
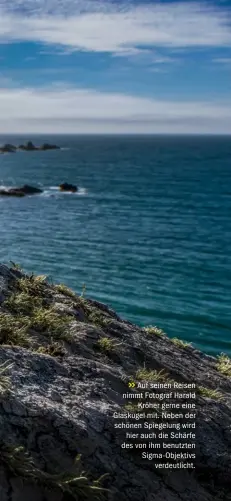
x,y
29,146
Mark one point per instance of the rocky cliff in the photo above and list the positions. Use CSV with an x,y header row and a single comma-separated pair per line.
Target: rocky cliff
x,y
64,363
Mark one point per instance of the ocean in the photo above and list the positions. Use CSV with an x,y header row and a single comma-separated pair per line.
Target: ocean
x,y
148,232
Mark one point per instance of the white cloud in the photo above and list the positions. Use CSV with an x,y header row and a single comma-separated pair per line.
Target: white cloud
x,y
125,28
223,60
60,109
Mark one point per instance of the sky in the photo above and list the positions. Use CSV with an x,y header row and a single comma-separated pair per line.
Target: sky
x,y
114,66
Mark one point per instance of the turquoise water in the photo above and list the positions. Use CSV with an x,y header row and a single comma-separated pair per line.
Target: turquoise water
x,y
148,233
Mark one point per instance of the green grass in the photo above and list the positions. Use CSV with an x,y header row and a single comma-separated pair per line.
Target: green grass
x,y
180,343
54,349
93,315
13,331
106,344
96,317
153,330
28,309
78,486
209,393
34,286
23,303
63,289
152,375
49,322
224,365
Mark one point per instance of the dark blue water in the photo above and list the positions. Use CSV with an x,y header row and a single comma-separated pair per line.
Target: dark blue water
x,y
148,233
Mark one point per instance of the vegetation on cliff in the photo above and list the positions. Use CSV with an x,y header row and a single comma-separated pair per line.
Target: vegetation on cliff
x,y
65,361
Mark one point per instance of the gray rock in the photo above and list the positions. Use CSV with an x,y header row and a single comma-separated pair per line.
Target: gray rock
x,y
68,187
58,407
21,192
29,146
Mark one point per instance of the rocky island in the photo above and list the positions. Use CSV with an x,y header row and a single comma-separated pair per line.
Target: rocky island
x,y
21,191
31,190
29,146
65,362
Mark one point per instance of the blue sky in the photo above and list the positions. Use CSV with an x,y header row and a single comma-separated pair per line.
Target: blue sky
x,y
113,66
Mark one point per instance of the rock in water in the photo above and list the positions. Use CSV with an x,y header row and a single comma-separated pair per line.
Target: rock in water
x,y
68,187
12,193
8,148
29,190
20,192
29,146
47,146
60,383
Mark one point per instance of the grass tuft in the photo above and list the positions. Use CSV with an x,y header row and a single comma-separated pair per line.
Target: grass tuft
x,y
151,375
153,330
40,278
180,343
96,317
29,309
224,365
54,349
63,289
32,286
23,303
12,331
209,393
19,463
48,321
106,344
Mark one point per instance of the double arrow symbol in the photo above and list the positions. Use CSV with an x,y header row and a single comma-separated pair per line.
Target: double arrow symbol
x,y
131,385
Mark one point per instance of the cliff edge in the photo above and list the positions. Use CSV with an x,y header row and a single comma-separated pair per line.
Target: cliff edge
x,y
65,362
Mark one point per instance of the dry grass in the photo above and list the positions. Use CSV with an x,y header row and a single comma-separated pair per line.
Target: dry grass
x,y
224,365
54,349
28,310
49,322
153,330
96,317
209,393
23,303
63,289
13,331
106,344
180,343
152,375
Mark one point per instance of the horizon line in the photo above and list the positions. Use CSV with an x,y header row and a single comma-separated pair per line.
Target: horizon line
x,y
152,134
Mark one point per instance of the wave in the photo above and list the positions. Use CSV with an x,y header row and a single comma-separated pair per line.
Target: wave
x,y
54,191
4,187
